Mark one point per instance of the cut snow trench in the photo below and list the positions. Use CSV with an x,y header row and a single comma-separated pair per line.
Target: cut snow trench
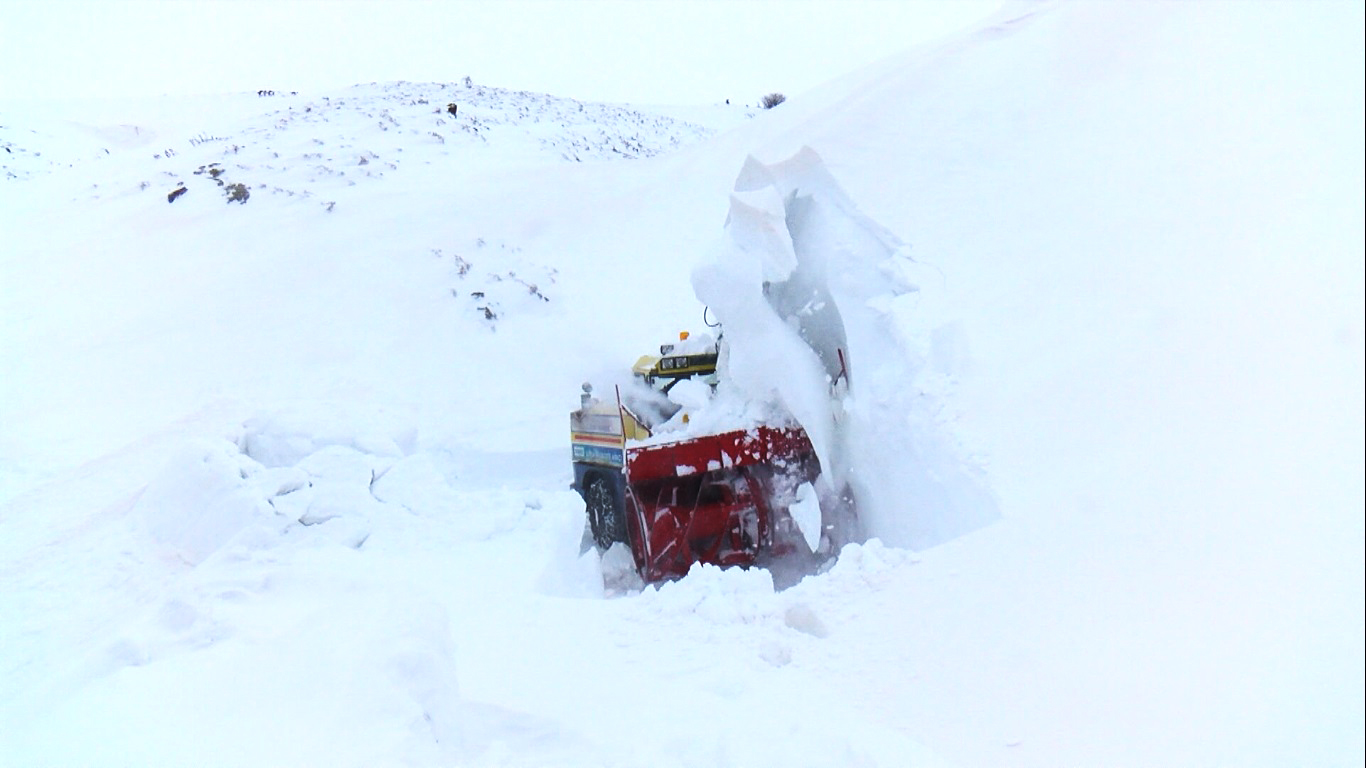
x,y
816,300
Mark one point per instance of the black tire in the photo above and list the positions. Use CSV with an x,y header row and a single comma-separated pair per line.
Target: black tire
x,y
605,516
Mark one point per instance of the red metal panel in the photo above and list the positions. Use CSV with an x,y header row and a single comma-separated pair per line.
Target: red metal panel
x,y
738,448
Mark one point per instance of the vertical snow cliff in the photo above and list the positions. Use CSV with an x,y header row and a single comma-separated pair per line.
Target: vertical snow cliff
x,y
819,309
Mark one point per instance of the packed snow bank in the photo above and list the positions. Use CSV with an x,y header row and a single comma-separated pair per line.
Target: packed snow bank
x,y
818,303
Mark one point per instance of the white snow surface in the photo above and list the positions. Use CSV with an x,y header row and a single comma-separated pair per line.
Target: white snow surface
x,y
285,482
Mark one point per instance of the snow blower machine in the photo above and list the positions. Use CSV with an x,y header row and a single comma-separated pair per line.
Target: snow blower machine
x,y
679,476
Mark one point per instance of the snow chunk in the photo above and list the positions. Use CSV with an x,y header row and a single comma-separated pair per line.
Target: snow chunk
x,y
618,570
416,484
284,437
344,465
279,481
690,393
806,513
870,563
803,618
201,499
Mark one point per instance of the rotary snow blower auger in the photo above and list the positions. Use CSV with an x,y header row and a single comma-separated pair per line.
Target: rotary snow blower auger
x,y
682,480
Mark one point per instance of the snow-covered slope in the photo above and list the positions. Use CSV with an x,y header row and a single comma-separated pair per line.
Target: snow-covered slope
x,y
321,138
281,489
431,203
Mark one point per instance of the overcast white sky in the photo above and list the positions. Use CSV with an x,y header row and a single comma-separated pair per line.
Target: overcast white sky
x,y
637,51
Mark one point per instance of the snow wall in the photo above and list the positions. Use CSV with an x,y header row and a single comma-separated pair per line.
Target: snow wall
x,y
818,307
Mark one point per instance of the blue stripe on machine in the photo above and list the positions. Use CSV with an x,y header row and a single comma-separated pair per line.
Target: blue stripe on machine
x,y
597,454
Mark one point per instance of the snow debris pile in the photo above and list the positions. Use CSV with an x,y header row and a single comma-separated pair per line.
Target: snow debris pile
x,y
742,604
721,597
718,595
275,577
277,473
327,474
818,306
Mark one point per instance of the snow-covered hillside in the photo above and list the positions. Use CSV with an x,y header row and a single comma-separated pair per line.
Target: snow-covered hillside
x,y
291,144
284,481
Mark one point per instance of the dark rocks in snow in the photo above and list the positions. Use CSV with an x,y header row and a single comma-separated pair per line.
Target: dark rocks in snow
x,y
237,193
